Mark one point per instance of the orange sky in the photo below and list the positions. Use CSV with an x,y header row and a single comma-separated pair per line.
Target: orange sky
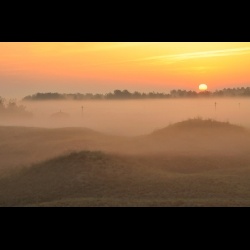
x,y
26,68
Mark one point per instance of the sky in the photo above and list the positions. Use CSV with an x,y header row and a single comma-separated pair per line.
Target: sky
x,y
101,67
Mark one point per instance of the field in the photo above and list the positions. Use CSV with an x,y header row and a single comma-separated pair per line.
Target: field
x,y
192,163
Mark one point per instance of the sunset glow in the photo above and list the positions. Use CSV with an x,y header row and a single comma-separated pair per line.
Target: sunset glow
x,y
27,68
124,124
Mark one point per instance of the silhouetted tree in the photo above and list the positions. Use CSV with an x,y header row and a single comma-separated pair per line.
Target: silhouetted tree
x,y
125,94
11,109
118,93
136,95
1,102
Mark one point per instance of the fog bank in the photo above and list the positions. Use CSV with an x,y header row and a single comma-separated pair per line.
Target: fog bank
x,y
131,117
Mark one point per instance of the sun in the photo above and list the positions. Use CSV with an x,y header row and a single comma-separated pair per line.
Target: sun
x,y
203,87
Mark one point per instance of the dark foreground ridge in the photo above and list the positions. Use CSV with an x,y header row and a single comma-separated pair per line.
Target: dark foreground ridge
x,y
97,179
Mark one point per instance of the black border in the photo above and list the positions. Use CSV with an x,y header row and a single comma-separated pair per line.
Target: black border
x,y
125,22
110,30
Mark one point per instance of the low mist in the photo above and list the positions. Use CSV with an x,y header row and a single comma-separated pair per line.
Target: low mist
x,y
130,117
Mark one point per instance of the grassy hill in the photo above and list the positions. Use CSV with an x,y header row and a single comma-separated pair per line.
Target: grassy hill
x,y
97,179
201,124
22,146
198,136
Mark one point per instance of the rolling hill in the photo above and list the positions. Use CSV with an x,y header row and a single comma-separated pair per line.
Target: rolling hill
x,y
97,179
22,146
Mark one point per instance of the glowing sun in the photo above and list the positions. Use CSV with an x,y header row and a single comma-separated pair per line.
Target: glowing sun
x,y
203,87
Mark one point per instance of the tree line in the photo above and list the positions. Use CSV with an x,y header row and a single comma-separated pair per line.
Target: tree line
x,y
10,109
125,94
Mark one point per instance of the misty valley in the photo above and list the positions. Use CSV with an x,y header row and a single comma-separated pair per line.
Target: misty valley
x,y
147,152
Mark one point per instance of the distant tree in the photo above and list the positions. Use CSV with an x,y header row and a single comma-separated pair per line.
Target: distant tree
x,y
136,95
125,94
117,93
204,94
45,96
2,106
98,96
1,102
173,93
191,94
182,93
11,109
109,96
